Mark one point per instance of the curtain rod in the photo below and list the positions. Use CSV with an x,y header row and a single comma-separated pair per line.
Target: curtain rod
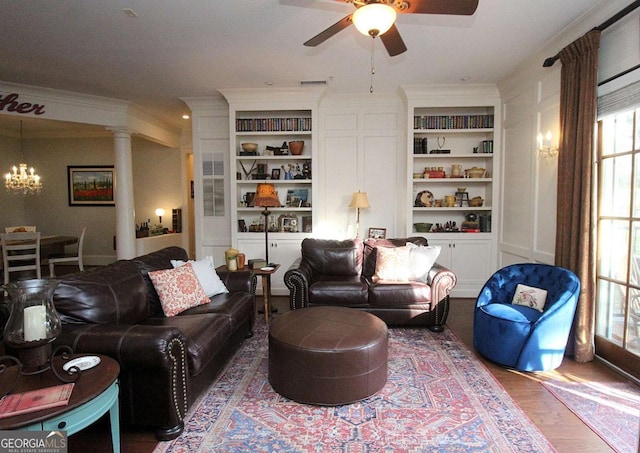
x,y
612,20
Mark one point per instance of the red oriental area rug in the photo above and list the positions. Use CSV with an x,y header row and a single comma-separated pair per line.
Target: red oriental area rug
x,y
438,398
610,409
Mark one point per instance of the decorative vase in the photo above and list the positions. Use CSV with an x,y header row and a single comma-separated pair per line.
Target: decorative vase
x,y
229,253
33,323
295,148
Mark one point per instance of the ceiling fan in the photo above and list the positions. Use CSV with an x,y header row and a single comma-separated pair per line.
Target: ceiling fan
x,y
377,17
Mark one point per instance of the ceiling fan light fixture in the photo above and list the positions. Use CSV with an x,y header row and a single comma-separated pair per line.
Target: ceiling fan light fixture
x,y
374,19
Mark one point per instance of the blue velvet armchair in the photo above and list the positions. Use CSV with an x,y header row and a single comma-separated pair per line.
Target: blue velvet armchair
x,y
518,336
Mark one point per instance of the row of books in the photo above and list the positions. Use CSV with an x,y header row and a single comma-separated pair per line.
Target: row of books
x,y
486,146
420,146
453,122
273,124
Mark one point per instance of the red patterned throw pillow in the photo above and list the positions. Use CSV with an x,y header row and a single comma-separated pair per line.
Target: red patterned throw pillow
x,y
178,289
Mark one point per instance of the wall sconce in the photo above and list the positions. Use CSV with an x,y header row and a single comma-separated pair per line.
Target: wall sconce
x,y
160,213
544,149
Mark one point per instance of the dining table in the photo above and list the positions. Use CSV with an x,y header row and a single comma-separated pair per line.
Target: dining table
x,y
53,244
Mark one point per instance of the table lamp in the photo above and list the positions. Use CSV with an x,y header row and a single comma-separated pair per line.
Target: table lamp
x,y
266,197
359,200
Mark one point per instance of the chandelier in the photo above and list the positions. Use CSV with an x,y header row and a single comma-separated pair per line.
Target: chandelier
x,y
22,181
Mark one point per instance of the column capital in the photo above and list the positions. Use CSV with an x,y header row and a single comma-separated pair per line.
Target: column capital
x,y
121,131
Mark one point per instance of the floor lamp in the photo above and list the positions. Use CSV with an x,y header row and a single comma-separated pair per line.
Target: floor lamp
x,y
359,200
266,197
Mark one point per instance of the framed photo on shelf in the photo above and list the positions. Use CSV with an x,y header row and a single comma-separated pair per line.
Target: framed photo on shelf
x,y
378,233
275,173
91,186
288,223
297,197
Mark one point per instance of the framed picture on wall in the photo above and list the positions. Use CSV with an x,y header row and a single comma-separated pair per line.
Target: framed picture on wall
x,y
91,186
378,233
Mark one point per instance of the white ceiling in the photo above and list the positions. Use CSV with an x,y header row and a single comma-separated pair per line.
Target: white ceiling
x,y
179,48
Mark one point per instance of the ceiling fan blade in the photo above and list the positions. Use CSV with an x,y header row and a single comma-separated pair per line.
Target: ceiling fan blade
x,y
393,41
329,32
457,7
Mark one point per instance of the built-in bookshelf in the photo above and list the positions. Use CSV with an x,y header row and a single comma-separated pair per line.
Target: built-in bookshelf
x,y
272,120
452,177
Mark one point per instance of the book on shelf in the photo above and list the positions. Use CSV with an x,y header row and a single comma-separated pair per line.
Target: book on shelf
x,y
35,400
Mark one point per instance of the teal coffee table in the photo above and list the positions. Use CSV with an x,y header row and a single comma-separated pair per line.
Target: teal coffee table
x,y
95,393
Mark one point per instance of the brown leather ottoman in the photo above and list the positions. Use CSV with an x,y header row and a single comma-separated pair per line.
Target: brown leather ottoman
x,y
327,355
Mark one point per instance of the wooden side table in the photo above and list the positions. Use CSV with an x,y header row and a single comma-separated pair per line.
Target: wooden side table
x,y
266,287
94,393
266,284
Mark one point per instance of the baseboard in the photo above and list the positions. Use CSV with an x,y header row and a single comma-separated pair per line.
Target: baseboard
x,y
618,370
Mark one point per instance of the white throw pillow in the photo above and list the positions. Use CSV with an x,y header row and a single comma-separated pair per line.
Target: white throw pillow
x,y
530,297
421,260
206,273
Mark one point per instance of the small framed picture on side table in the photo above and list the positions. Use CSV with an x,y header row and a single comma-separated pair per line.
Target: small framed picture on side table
x,y
378,233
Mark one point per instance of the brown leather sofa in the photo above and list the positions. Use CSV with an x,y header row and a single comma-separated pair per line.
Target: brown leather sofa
x,y
165,362
341,273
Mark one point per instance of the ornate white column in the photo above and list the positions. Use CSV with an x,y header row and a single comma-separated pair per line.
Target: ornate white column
x,y
125,207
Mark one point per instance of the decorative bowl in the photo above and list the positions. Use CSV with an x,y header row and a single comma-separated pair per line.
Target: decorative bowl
x,y
249,147
476,202
422,227
461,189
475,172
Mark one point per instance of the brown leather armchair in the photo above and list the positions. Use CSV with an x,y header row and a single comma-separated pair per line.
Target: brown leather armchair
x,y
341,273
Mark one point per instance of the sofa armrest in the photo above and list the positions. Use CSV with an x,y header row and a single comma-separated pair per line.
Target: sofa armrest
x,y
442,281
154,375
239,281
297,279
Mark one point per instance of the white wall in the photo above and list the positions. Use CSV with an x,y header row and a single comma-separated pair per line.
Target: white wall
x,y
157,182
11,207
531,100
362,148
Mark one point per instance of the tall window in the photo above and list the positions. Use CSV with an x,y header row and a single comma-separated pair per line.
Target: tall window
x,y
618,268
213,195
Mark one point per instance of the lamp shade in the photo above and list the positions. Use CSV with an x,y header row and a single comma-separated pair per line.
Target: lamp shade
x,y
359,200
374,19
266,196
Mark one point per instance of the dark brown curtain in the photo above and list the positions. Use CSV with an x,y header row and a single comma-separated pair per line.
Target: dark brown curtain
x,y
574,239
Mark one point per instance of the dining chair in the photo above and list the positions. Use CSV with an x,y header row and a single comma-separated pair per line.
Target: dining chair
x,y
70,257
20,252
20,229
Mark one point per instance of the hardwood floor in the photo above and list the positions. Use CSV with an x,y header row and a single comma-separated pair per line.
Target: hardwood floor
x,y
563,429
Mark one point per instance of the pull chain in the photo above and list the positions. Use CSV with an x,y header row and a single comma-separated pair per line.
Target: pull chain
x,y
373,67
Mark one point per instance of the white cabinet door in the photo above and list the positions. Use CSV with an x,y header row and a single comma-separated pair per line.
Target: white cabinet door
x,y
445,253
281,251
469,259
